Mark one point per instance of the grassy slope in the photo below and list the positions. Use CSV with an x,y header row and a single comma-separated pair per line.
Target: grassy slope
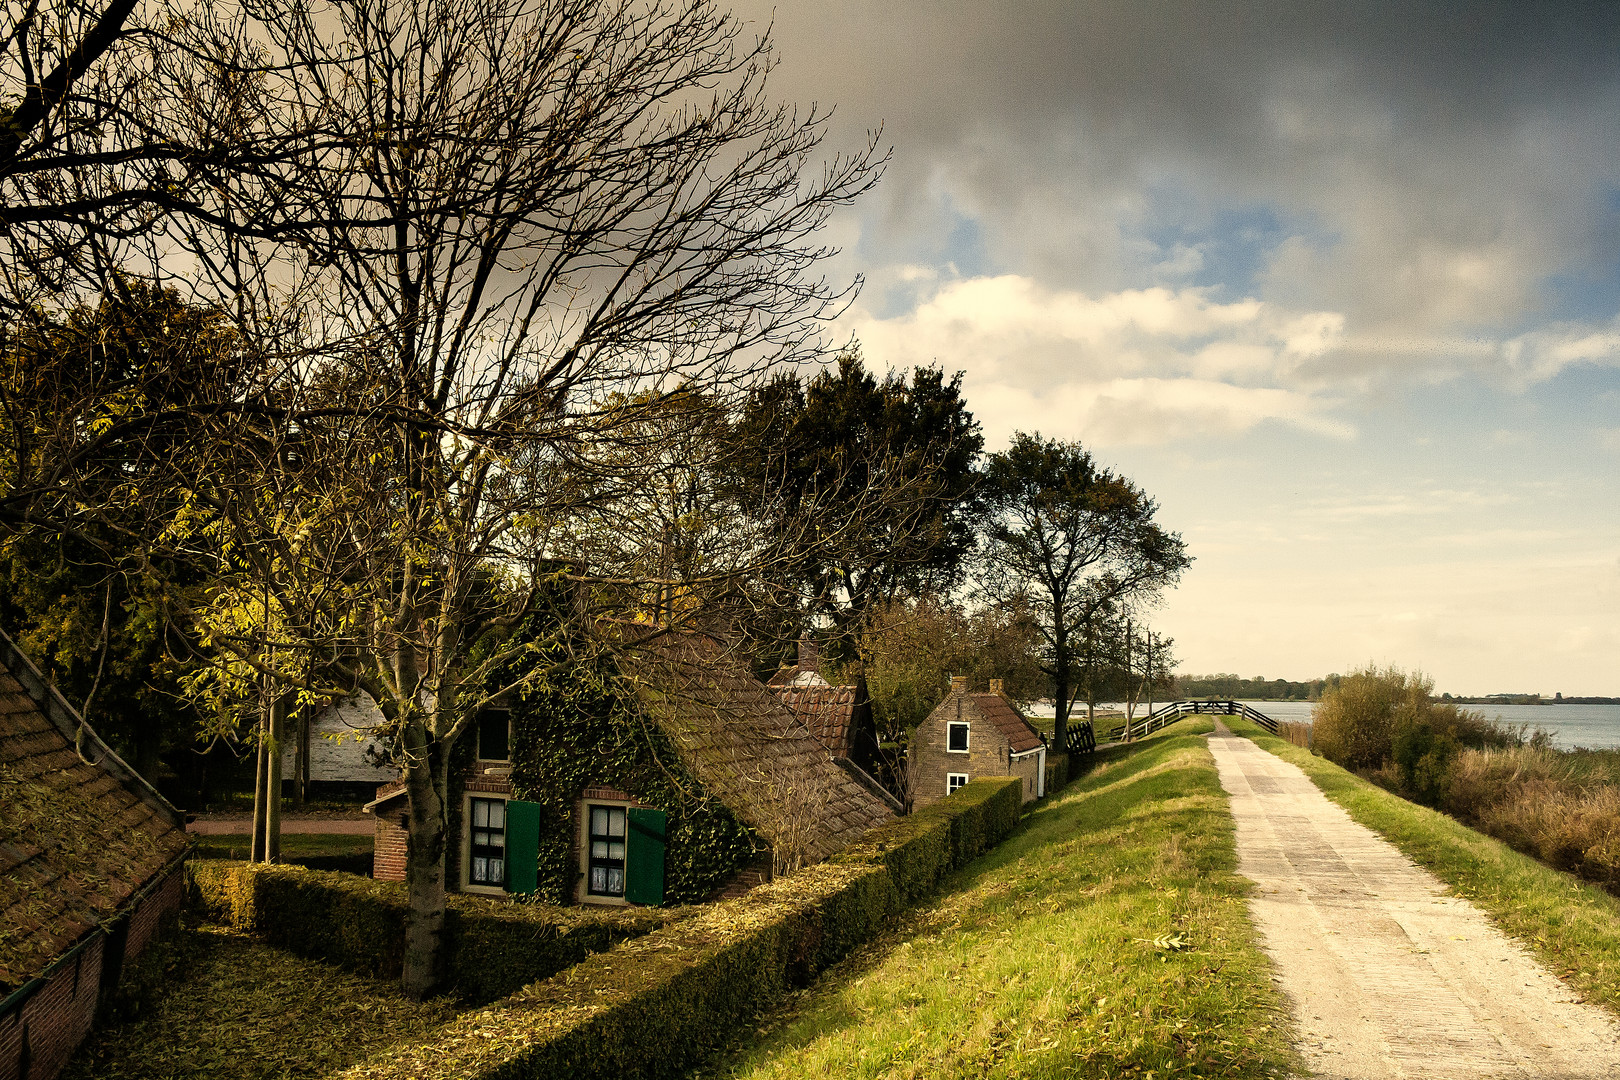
x,y
1038,960
231,1008
1574,928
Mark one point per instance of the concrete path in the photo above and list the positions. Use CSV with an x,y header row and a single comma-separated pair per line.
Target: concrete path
x,y
1390,977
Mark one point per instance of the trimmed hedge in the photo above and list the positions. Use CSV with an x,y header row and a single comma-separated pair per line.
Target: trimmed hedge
x,y
1057,771
651,1007
494,947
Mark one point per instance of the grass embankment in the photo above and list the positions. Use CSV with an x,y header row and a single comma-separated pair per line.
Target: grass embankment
x,y
231,1008
1573,927
1040,959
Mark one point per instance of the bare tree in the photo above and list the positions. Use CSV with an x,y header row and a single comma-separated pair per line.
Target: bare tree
x,y
546,205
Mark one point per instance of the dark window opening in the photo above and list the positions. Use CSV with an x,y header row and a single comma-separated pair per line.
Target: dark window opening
x,y
957,738
494,731
488,866
606,863
953,781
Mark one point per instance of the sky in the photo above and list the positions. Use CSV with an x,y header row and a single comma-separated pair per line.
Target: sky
x,y
1337,284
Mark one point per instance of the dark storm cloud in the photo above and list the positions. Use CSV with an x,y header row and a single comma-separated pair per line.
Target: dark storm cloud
x,y
1424,168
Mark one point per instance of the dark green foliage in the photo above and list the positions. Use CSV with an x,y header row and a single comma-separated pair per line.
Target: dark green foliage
x,y
580,727
1057,771
890,462
359,924
1422,757
1233,688
684,989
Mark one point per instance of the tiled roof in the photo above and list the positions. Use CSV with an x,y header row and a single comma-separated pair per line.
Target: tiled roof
x,y
828,711
751,751
77,840
1000,712
798,676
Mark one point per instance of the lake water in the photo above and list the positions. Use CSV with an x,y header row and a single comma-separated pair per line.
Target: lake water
x,y
1596,727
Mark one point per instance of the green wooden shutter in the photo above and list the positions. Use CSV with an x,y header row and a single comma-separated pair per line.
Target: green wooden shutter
x,y
522,845
644,857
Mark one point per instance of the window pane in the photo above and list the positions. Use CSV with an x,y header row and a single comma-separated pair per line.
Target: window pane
x,y
497,814
958,736
480,871
616,851
497,871
598,821
615,881
599,849
481,812
598,879
493,726
615,822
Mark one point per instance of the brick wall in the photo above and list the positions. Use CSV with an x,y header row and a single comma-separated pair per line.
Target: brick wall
x,y
388,843
37,1039
931,761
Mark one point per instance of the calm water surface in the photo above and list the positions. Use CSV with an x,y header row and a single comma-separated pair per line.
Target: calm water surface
x,y
1596,727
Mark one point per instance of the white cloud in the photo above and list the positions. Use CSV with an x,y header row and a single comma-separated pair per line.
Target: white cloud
x,y
1135,366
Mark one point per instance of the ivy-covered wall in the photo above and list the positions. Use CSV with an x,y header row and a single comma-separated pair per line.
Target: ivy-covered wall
x,y
581,728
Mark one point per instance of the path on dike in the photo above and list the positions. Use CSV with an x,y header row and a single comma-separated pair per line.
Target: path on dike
x,y
1388,976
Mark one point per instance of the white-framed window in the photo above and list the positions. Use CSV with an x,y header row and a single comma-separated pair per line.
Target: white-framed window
x,y
954,780
485,862
956,737
604,856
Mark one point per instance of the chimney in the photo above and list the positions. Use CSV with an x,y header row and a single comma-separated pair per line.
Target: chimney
x,y
809,654
958,684
995,688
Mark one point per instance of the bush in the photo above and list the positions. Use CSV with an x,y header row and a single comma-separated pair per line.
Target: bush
x,y
1383,721
494,947
684,988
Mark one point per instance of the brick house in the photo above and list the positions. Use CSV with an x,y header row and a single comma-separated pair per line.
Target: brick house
x,y
668,775
969,736
91,861
840,717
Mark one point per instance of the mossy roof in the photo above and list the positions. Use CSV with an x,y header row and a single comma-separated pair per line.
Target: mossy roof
x,y
77,839
749,749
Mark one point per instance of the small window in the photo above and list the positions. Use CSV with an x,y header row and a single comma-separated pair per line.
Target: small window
x,y
488,854
956,737
953,781
606,864
494,730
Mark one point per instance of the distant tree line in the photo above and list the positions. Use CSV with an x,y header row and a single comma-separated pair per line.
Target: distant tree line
x,y
1259,688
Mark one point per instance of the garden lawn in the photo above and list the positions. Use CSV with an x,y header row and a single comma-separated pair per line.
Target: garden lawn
x,y
1108,937
229,1008
1571,926
294,846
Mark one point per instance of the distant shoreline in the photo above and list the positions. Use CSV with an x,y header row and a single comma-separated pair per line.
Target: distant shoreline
x,y
1527,699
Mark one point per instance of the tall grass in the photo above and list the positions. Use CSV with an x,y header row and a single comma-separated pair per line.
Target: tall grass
x,y
1298,734
1560,807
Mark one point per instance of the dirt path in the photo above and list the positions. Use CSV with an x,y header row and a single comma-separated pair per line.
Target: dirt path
x,y
1389,977
358,825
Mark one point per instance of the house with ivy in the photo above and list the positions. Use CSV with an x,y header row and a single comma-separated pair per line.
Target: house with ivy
x,y
663,772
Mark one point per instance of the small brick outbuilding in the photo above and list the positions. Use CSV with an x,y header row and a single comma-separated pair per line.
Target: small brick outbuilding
x,y
970,736
91,860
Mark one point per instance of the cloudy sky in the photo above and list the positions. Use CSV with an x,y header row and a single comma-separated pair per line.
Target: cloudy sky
x,y
1338,284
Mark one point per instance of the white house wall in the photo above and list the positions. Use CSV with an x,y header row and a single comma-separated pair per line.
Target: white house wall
x,y
342,759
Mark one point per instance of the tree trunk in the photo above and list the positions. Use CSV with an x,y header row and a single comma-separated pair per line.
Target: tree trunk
x,y
272,821
260,803
424,879
301,775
